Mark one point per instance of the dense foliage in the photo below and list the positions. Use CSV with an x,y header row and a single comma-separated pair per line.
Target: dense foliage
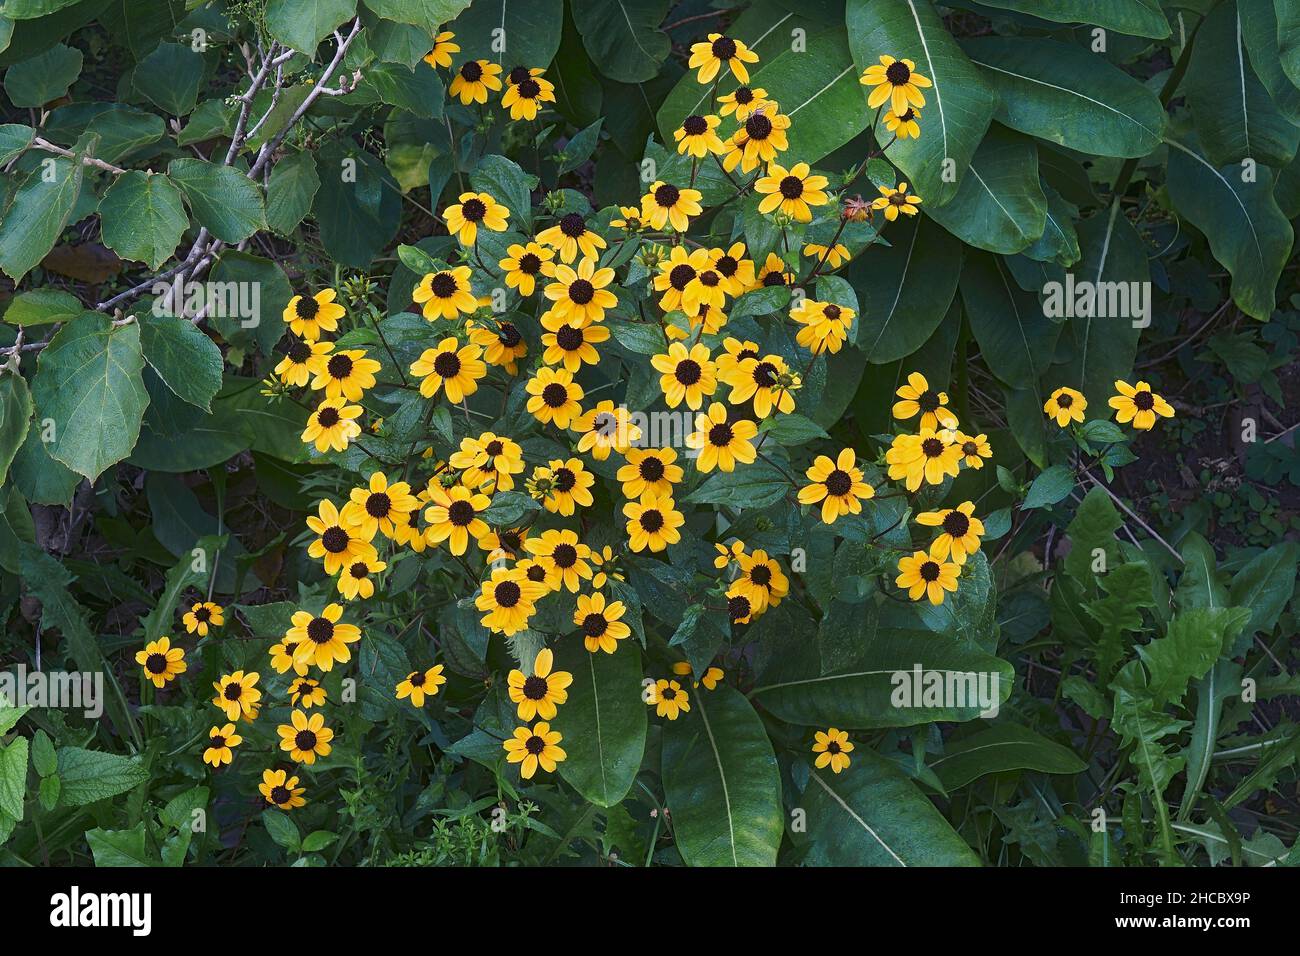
x,y
635,432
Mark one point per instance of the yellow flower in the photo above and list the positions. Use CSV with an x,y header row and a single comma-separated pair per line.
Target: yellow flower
x,y
504,545
711,55
666,204
649,469
917,396
281,790
698,136
629,219
338,541
711,678
759,140
554,396
571,344
726,555
454,515
974,449
832,749
742,101
456,370
571,236
309,316
445,294
895,81
525,94
721,443
1066,405
837,484
686,375
793,191
332,425
904,125
1139,405
380,506
669,699
562,486
563,556
161,661
203,615
237,695
736,270
502,347
895,201
734,352
653,522
761,580
926,575
606,428
354,580
346,374
580,295
677,272
768,382
295,369
442,50
419,685
739,606
490,459
540,693
961,532
825,325
306,693
834,256
220,742
929,457
321,640
523,264
538,747
601,622
474,79
773,273
509,598
472,212
282,659
305,738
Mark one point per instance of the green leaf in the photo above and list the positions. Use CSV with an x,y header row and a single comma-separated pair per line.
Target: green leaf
x,y
13,777
36,81
532,31
1195,640
358,215
1001,748
1221,683
302,24
1265,585
15,416
870,814
579,149
749,486
721,782
37,214
143,218
1093,527
180,578
418,90
14,140
604,720
1049,487
1246,230
1141,18
187,361
508,507
44,759
40,478
282,829
623,36
958,106
1015,338
429,15
120,847
292,188
88,381
89,775
250,272
170,77
1288,38
1199,585
506,182
221,197
793,429
1040,81
9,714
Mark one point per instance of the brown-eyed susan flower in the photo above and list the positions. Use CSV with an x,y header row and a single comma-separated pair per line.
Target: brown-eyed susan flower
x,y
332,425
974,448
443,48
792,191
653,522
502,346
338,542
669,205
760,138
742,101
310,315
237,695
305,738
380,506
1139,405
344,374
524,263
419,685
832,749
534,572
472,212
579,294
445,294
569,343
704,291
601,622
718,51
686,375
960,531
489,459
281,790
562,485
411,534
677,272
604,567
321,640
474,79
709,317
221,741
895,81
563,556
837,484
734,352
454,368
526,90
762,580
453,516
606,428
570,236
895,201
697,136
554,396
728,555
722,444
736,269
1066,405
711,677
356,580
306,693
295,369
904,125
925,575
202,616
533,748
772,272
916,396
282,658
927,457
739,607
538,694
768,381
161,661
629,219
649,469
825,325
506,544
509,598
833,256
669,699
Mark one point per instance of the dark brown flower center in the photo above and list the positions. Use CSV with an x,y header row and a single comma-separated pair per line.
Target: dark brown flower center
x,y
156,663
791,187
897,73
529,89
680,276
320,630
472,71
535,687
568,338
758,127
509,335
460,513
833,747
565,479
233,691
839,483
517,75
335,539
443,285
447,364
530,263
280,795
724,48
305,740
738,607
695,125
202,614
765,374
535,745
1064,401
328,417
930,571
507,594
307,307
744,95
651,469
594,625
378,505
721,435
932,448
572,225
776,277
956,524
217,742
688,371
564,555
928,400
667,195
652,520
415,679
473,209
555,395
299,351
832,312
581,292
1144,400
761,574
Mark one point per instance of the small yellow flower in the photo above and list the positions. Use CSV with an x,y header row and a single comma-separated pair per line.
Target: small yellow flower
x,y
474,211
669,699
161,661
924,575
538,747
1139,405
960,534
837,484
793,191
832,748
281,790
895,201
221,740
894,81
1065,405
718,51
419,685
600,621
443,48
698,137
237,695
305,738
202,616
474,79
917,396
540,693
904,125
310,315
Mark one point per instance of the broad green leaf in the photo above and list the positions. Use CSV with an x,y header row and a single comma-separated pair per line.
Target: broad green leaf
x,y
1288,38
1001,748
1195,640
142,217
1041,81
749,486
531,32
302,24
37,214
1144,726
292,188
250,274
36,81
721,782
187,361
429,15
15,416
170,77
1015,338
33,9
958,104
1246,230
506,182
1142,18
40,478
13,777
1092,528
112,848
1199,584
1049,487
221,197
88,382
123,130
89,775
418,89
1265,585
1259,29
623,36
1221,683
358,204
282,829
1059,243
604,720
14,139
870,814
